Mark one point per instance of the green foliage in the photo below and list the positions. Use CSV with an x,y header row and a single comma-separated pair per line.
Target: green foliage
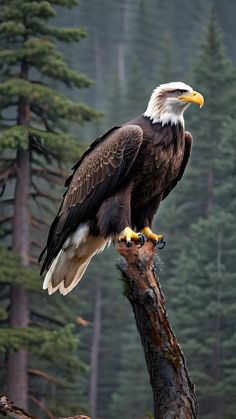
x,y
12,271
53,103
201,290
42,342
142,44
35,112
63,145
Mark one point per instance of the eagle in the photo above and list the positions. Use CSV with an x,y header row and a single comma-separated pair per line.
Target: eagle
x,y
118,184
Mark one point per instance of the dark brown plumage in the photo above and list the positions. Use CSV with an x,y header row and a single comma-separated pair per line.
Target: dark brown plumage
x,y
119,182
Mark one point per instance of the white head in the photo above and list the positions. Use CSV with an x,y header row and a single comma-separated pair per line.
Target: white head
x,y
169,101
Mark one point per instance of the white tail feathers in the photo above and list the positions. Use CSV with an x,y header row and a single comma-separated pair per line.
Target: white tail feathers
x,y
71,262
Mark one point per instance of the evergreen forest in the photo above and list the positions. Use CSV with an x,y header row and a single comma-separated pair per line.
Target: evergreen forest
x,y
69,71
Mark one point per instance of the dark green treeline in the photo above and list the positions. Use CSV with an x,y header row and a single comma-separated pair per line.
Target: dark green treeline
x,y
39,336
142,44
132,46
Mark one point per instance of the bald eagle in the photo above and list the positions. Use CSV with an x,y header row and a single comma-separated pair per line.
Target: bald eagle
x,y
118,184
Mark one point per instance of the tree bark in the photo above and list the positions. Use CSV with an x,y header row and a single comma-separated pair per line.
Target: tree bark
x,y
17,375
19,311
173,390
94,355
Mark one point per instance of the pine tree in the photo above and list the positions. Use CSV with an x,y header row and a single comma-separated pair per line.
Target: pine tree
x,y
136,91
201,290
215,79
143,34
166,68
33,147
193,196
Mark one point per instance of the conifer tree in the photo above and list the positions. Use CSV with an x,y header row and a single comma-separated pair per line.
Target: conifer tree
x,y
166,69
143,34
33,146
136,91
214,76
201,290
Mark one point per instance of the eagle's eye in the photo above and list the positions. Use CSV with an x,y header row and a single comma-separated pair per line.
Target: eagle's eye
x,y
179,92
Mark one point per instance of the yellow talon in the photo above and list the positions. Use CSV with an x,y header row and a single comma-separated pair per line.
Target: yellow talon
x,y
128,235
155,238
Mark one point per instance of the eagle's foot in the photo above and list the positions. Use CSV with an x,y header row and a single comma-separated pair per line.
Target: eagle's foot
x,y
157,239
128,235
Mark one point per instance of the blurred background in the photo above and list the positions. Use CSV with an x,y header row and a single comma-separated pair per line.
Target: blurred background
x,y
61,356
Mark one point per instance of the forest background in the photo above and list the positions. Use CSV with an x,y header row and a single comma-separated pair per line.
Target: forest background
x,y
82,353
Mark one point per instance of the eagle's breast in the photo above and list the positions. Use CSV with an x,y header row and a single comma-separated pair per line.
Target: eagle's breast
x,y
159,159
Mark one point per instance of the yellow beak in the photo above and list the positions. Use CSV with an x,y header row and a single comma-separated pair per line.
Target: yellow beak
x,y
194,97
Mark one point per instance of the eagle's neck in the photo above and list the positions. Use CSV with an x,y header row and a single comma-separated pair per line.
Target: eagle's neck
x,y
166,118
164,111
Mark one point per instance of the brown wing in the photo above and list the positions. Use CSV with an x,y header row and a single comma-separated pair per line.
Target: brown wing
x,y
101,169
187,152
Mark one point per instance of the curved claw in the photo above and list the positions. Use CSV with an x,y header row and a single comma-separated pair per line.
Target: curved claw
x,y
130,236
160,243
129,243
142,239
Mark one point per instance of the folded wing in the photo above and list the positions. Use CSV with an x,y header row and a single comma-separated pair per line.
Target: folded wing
x,y
101,169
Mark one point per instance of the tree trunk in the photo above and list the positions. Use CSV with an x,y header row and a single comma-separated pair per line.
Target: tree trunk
x,y
94,355
19,312
173,391
17,378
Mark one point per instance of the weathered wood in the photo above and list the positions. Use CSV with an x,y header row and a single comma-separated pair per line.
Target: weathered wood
x,y
11,410
7,408
173,390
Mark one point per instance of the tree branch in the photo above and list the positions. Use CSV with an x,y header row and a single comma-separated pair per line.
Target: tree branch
x,y
173,390
50,177
37,223
42,406
36,243
33,261
44,195
4,220
8,201
8,408
5,174
41,113
48,319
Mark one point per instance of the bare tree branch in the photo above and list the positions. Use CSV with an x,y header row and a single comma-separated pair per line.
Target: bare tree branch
x,y
36,243
44,195
41,114
4,220
50,177
8,201
8,408
42,406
